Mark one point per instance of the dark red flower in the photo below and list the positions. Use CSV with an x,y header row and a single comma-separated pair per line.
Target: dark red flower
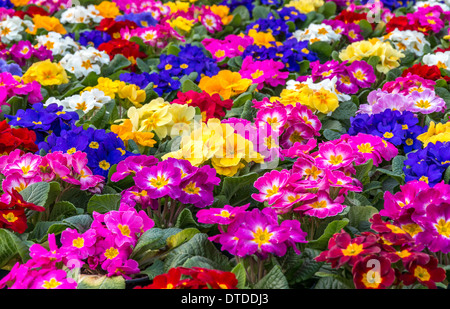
x,y
342,249
373,272
113,27
124,47
31,11
16,138
426,274
389,232
401,23
350,17
211,106
193,278
13,219
430,72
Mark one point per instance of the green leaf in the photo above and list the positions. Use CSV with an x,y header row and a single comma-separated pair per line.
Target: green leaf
x,y
198,245
11,247
80,222
117,63
345,110
332,228
242,11
360,214
186,220
190,85
241,276
444,94
90,80
275,279
238,189
398,164
157,268
103,203
362,171
366,28
334,282
242,99
181,237
61,210
36,193
101,282
322,49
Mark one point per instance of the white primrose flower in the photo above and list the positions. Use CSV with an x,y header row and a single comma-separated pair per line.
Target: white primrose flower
x,y
439,59
85,61
327,84
58,44
11,29
317,32
408,40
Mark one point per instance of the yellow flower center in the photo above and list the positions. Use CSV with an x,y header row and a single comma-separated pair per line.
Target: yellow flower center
x,y
335,160
159,181
443,227
352,250
261,236
422,273
365,148
10,217
93,145
51,284
388,134
78,242
191,189
104,165
124,229
111,253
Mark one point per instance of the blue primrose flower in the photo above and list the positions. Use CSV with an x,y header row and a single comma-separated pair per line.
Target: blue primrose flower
x,y
104,149
428,164
43,120
12,68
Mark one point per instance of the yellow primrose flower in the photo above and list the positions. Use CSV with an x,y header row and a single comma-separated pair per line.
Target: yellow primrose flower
x,y
108,9
262,38
305,6
125,133
178,6
46,73
226,83
389,56
324,101
217,142
182,119
20,2
132,93
182,23
293,97
436,133
49,23
108,86
223,12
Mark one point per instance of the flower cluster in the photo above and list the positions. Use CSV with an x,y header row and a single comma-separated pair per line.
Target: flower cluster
x,y
101,149
244,233
218,143
401,128
21,170
176,182
372,254
106,247
193,278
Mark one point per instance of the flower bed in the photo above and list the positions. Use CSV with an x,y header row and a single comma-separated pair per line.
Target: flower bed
x,y
268,144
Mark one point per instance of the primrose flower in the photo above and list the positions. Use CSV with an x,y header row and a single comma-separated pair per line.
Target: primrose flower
x,y
427,102
77,246
270,185
321,206
222,216
365,277
46,73
160,180
342,249
226,83
125,226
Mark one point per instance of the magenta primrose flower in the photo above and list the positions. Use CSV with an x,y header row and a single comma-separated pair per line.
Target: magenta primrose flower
x,y
270,185
222,216
322,206
160,180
